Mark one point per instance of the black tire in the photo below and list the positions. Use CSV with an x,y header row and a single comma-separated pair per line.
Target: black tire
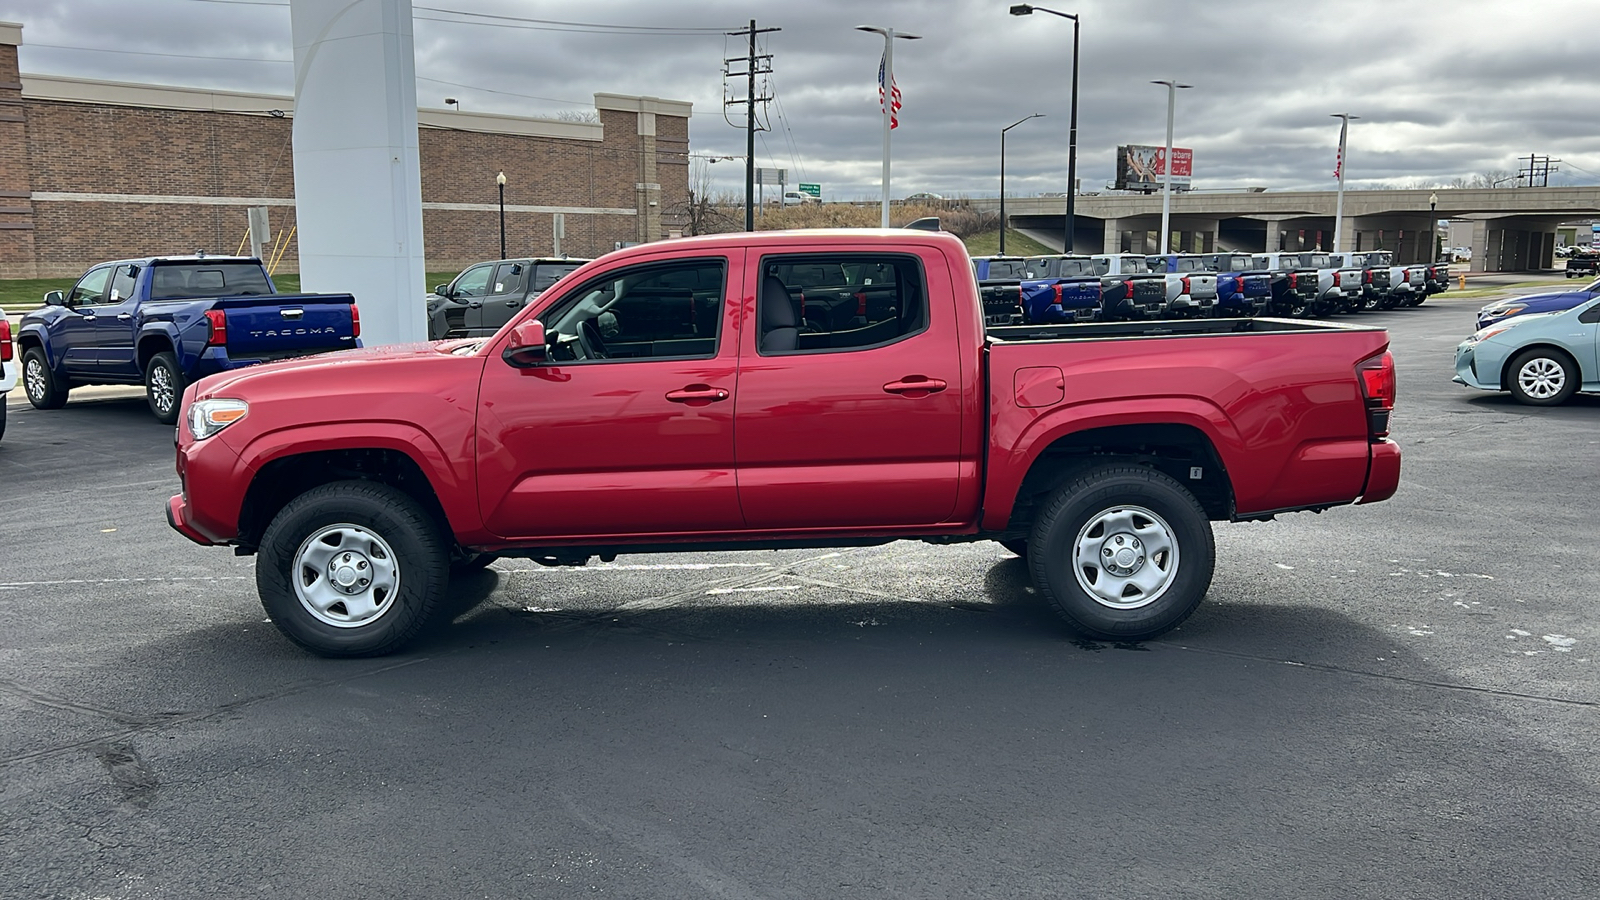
x,y
1553,365
2,415
163,387
1020,548
472,562
44,389
412,547
1153,505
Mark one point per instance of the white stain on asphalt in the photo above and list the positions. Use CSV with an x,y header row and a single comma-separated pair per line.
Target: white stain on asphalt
x,y
1560,642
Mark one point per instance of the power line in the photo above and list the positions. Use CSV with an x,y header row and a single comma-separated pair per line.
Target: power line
x,y
644,29
473,87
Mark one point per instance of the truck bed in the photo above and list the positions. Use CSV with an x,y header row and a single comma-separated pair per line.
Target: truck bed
x,y
1100,331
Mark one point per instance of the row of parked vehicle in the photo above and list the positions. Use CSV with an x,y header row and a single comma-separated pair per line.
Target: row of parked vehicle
x,y
1113,287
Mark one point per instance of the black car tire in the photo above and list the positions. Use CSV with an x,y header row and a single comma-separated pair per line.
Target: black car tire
x,y
1099,498
44,389
2,415
378,523
1554,363
163,387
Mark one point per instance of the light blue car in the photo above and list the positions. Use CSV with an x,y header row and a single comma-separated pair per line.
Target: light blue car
x,y
1540,358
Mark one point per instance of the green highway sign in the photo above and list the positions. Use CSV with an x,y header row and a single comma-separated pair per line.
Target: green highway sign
x,y
814,190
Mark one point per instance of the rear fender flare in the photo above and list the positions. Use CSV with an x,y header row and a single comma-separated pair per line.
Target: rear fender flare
x,y
1011,459
456,490
151,338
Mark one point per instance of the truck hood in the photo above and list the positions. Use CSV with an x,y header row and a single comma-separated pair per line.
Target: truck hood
x,y
332,365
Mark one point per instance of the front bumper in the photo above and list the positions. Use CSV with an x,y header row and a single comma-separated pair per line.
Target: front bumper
x,y
1470,361
8,375
178,518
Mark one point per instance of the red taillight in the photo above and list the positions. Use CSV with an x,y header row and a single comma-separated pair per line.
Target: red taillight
x,y
1186,284
218,320
355,320
1366,277
1057,300
5,340
1378,386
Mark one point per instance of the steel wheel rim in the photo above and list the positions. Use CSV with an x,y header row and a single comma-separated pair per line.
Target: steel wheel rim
x,y
346,576
1125,557
34,378
161,389
1542,378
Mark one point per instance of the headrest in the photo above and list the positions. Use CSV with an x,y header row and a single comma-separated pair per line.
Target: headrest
x,y
777,306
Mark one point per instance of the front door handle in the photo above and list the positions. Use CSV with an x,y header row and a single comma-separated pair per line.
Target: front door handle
x,y
916,386
89,317
124,316
698,394
513,303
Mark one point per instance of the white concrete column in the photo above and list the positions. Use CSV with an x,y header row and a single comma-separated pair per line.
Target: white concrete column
x,y
1480,245
357,176
1113,237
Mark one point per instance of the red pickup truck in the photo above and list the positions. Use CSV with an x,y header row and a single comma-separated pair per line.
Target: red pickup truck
x,y
799,389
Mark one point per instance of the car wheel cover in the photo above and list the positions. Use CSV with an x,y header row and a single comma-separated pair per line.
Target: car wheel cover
x,y
1542,378
161,392
1125,557
34,378
346,576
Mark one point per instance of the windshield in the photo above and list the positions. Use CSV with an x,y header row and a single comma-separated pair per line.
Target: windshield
x,y
188,280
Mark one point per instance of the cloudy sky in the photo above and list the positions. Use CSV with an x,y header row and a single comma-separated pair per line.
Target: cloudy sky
x,y
1445,88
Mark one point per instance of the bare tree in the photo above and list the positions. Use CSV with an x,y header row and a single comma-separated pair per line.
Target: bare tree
x,y
699,211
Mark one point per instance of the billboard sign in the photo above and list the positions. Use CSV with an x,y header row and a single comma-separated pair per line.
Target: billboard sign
x,y
1140,168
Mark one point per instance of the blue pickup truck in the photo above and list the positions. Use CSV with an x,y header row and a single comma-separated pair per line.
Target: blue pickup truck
x,y
164,322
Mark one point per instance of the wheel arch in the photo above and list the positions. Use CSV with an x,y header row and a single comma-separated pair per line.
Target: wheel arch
x,y
286,477
151,342
1513,356
1172,448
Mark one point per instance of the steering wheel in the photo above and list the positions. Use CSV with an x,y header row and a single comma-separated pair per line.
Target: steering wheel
x,y
594,347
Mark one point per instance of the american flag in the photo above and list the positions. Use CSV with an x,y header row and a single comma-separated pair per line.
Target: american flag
x,y
1338,159
894,92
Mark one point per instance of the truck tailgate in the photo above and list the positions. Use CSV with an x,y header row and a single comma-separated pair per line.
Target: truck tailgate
x,y
282,325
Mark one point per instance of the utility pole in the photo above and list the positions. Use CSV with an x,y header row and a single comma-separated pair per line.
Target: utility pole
x,y
1538,167
754,65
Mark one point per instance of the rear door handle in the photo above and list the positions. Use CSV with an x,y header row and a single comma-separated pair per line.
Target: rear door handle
x,y
916,386
697,394
89,317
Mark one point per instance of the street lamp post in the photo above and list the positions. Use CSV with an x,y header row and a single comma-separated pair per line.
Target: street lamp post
x,y
1338,206
887,86
1166,166
500,180
1024,9
1003,177
451,101
1433,224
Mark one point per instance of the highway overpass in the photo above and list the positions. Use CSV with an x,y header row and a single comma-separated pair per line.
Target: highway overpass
x,y
1513,229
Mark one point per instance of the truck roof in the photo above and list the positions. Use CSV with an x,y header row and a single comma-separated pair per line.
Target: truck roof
x,y
819,237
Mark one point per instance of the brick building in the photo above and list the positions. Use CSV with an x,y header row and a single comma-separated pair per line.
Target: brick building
x,y
96,170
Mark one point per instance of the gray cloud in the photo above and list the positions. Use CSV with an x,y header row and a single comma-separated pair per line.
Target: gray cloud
x,y
1445,89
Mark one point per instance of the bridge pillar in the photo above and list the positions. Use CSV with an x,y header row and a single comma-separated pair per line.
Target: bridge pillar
x,y
1274,239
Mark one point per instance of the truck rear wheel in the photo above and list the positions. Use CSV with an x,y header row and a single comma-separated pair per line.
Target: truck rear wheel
x,y
352,568
1122,553
44,389
163,387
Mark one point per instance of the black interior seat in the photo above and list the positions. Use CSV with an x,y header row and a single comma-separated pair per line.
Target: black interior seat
x,y
780,328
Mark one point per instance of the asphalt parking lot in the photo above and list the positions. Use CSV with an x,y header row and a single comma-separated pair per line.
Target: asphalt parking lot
x,y
1399,700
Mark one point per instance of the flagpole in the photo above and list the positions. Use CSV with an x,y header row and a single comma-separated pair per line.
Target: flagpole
x,y
886,88
888,114
1338,208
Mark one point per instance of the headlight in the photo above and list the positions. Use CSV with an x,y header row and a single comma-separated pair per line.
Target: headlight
x,y
1483,334
207,417
1501,312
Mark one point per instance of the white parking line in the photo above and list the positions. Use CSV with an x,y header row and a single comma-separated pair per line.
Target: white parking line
x,y
23,584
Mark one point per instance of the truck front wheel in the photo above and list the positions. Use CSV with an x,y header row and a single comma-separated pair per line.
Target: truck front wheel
x,y
1122,553
163,387
352,568
44,389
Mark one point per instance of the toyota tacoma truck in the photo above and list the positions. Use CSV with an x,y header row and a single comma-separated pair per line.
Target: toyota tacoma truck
x,y
1191,288
166,321
607,418
1243,289
1062,288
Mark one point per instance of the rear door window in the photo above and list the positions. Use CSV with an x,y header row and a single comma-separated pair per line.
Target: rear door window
x,y
841,302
